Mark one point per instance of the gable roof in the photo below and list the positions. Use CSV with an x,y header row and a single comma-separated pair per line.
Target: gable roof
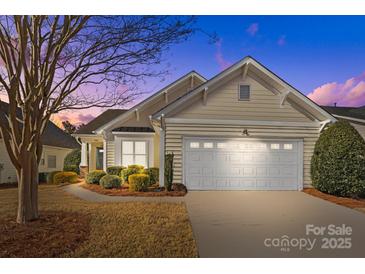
x,y
52,135
244,64
347,112
112,122
100,120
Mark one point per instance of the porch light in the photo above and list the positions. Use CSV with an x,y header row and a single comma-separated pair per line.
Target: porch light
x,y
245,132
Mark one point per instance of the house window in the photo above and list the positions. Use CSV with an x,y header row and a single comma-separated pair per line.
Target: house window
x,y
135,153
194,145
208,145
275,146
288,146
244,93
52,161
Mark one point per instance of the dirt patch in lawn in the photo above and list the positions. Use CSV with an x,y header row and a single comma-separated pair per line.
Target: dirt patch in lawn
x,y
52,235
152,192
348,202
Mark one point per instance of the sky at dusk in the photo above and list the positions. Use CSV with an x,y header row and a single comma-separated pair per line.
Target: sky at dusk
x,y
323,56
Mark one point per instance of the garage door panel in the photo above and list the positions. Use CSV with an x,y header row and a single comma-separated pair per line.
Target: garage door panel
x,y
243,164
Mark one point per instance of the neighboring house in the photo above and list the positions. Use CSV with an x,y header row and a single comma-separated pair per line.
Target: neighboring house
x,y
245,128
56,145
356,116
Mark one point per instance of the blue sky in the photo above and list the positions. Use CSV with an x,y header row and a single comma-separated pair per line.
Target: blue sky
x,y
322,56
307,51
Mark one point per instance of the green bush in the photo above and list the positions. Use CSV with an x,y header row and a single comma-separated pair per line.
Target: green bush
x,y
65,177
72,168
110,181
42,177
72,159
132,169
114,170
338,162
153,172
94,177
138,182
50,176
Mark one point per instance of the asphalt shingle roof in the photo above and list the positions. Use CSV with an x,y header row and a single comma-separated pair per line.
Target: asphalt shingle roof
x,y
53,135
353,112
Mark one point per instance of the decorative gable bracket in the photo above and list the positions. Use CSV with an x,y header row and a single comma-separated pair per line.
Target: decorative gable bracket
x,y
205,96
283,98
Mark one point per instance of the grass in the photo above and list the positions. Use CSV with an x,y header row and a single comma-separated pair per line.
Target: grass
x,y
128,229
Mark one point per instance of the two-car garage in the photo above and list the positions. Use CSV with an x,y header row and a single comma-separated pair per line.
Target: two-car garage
x,y
243,164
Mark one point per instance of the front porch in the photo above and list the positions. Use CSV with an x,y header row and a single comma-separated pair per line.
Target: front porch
x,y
119,148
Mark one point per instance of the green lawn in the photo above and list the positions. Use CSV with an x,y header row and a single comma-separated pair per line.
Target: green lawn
x,y
131,229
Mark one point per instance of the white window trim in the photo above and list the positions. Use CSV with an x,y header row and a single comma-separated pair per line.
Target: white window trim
x,y
118,148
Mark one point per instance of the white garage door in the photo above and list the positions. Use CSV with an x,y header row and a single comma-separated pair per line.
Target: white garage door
x,y
236,164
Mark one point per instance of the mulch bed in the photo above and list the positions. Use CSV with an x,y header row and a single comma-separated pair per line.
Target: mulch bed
x,y
53,234
152,192
348,202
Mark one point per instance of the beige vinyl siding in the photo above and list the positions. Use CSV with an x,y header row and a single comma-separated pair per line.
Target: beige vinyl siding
x,y
156,150
110,153
360,129
158,103
175,133
8,174
223,103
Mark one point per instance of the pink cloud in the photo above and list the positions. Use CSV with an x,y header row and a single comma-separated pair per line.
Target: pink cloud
x,y
349,93
253,29
282,40
75,118
223,64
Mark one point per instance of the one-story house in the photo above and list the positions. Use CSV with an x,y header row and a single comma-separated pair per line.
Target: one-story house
x,y
56,145
354,115
245,128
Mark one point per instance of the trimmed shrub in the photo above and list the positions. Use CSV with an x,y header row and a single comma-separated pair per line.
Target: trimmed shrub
x,y
138,182
94,177
153,172
114,170
42,177
72,168
50,176
65,177
132,169
179,187
338,162
110,181
72,161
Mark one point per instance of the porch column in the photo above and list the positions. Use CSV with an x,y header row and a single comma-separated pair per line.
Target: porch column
x,y
162,157
104,155
84,163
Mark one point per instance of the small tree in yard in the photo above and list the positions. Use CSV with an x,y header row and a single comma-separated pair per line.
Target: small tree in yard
x,y
54,63
169,170
338,162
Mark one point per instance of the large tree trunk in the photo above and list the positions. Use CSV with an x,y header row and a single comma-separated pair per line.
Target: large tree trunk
x,y
27,189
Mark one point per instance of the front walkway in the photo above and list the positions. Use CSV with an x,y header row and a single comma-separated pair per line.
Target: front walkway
x,y
87,195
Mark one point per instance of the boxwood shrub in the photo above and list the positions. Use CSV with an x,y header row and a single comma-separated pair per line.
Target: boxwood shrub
x,y
94,177
50,176
138,182
132,169
65,177
110,181
338,162
114,170
72,168
153,172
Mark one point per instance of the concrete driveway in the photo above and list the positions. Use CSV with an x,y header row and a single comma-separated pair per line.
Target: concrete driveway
x,y
273,224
